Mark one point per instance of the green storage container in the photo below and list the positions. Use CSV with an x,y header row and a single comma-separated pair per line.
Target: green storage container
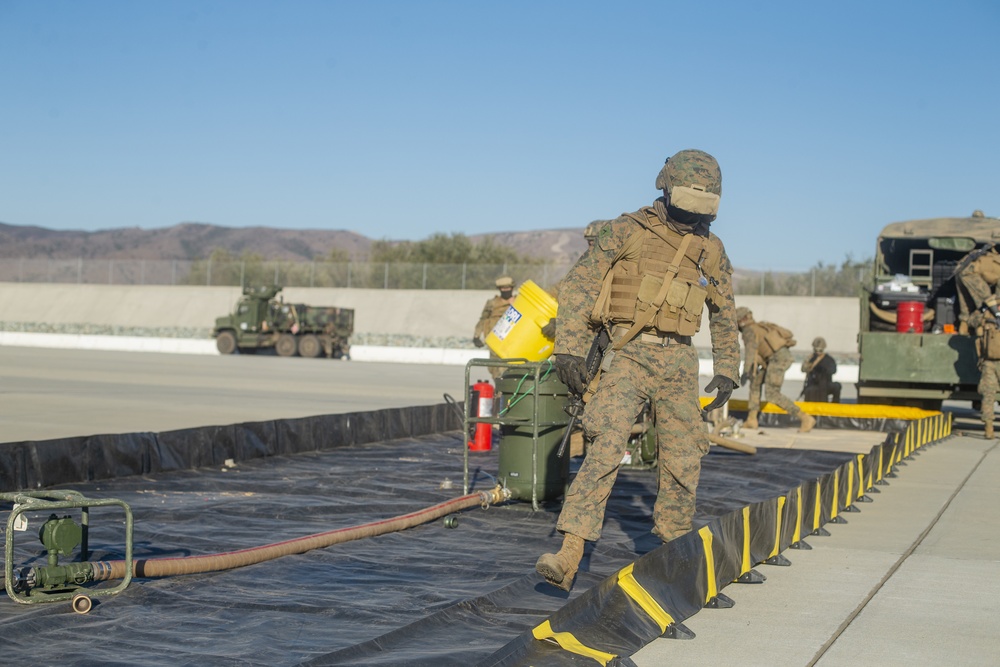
x,y
533,419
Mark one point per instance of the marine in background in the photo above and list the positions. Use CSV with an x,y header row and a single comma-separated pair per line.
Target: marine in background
x,y
820,368
492,312
977,276
987,331
646,281
767,356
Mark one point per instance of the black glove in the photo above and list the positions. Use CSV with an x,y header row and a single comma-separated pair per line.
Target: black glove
x,y
549,330
725,387
478,342
743,379
572,371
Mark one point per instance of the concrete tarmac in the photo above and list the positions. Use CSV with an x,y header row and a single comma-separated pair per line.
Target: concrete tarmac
x,y
912,579
53,393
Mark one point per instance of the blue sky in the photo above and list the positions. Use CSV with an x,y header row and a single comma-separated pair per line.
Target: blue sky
x,y
399,119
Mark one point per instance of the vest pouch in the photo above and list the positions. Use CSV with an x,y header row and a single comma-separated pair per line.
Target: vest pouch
x,y
991,346
677,294
695,303
649,288
689,319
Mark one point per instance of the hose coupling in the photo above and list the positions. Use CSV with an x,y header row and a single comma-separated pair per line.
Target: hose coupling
x,y
497,494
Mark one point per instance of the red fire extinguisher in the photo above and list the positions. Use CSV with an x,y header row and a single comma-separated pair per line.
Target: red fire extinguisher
x,y
482,406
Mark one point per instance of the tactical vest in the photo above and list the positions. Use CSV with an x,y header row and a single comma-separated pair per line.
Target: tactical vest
x,y
661,270
771,338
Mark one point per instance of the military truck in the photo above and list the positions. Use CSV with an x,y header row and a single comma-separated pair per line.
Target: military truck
x,y
916,263
262,320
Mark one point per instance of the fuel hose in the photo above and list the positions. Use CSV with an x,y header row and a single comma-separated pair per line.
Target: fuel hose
x,y
165,567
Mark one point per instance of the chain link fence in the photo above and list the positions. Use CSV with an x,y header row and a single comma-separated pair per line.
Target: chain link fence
x,y
820,281
845,280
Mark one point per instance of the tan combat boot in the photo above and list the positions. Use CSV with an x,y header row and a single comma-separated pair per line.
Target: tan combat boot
x,y
751,420
559,569
988,431
808,421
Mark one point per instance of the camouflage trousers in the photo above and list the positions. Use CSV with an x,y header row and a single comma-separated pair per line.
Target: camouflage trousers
x,y
668,377
772,376
496,371
989,385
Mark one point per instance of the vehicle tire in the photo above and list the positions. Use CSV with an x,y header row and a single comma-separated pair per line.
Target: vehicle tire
x,y
287,345
309,346
225,342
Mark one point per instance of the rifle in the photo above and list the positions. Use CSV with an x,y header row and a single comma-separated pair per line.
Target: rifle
x,y
805,385
575,408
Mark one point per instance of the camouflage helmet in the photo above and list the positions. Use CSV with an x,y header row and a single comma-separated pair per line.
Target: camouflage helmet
x,y
743,313
978,214
819,344
693,181
505,282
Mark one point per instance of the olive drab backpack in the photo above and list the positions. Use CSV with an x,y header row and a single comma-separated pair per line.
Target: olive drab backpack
x,y
773,339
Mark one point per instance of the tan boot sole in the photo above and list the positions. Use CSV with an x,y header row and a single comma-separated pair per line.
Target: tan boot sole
x,y
550,566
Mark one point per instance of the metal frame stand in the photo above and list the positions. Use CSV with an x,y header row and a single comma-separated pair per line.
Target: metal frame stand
x,y
49,502
536,367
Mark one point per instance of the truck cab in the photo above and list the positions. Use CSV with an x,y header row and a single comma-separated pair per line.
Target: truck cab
x,y
914,349
250,322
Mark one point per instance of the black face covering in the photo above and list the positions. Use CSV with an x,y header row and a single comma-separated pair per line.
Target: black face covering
x,y
506,293
683,221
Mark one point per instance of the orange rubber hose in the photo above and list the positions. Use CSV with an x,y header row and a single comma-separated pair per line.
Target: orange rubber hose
x,y
165,567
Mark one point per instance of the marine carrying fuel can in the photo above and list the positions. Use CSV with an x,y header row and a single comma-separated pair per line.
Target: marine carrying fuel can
x,y
534,419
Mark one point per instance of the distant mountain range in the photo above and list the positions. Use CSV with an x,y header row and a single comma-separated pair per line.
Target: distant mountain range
x,y
191,241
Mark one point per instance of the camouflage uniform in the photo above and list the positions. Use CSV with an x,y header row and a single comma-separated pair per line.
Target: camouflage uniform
x,y
666,374
989,370
977,281
767,372
989,386
592,230
492,312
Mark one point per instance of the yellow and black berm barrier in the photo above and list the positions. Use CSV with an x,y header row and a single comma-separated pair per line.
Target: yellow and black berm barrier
x,y
651,597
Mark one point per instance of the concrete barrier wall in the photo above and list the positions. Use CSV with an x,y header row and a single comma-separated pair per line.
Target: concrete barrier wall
x,y
411,312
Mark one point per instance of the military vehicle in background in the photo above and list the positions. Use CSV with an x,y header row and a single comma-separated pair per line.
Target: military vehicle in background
x,y
912,348
263,320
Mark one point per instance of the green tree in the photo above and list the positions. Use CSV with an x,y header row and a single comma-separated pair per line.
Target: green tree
x,y
441,248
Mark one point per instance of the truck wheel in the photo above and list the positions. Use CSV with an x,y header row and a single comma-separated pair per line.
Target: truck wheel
x,y
309,346
225,342
286,346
